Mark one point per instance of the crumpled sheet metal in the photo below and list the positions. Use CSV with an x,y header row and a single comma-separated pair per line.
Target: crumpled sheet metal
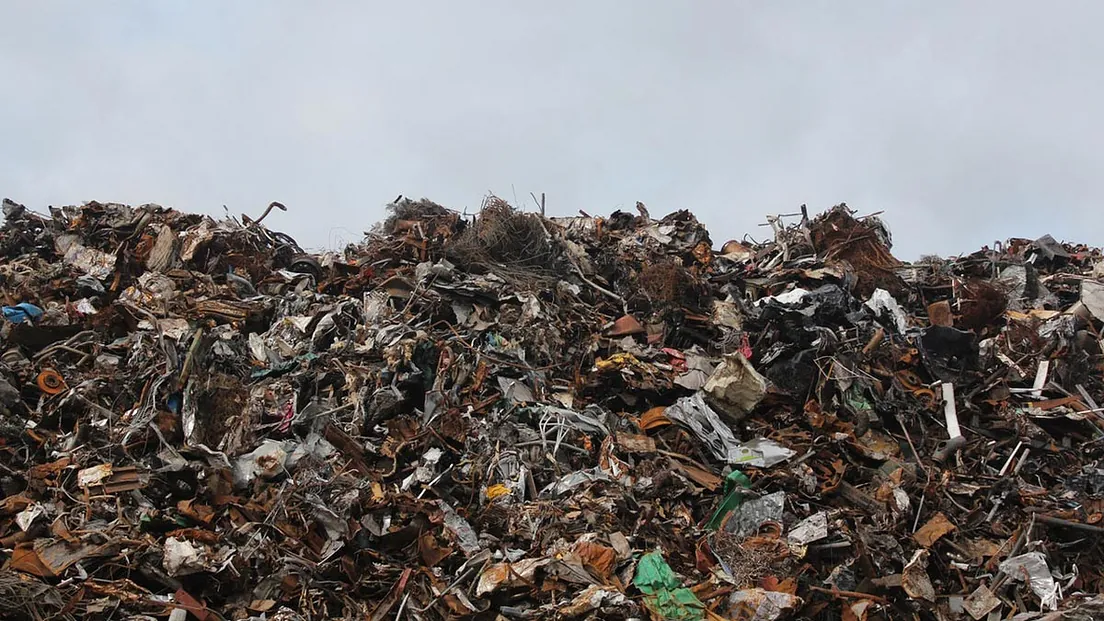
x,y
573,480
694,413
1032,569
88,261
590,422
811,529
466,538
748,517
765,605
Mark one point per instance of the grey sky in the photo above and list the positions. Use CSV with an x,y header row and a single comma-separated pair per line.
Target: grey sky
x,y
965,121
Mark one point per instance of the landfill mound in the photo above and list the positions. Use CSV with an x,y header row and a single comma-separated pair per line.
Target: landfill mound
x,y
513,416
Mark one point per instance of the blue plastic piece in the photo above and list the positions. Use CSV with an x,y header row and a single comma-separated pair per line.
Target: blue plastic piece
x,y
22,312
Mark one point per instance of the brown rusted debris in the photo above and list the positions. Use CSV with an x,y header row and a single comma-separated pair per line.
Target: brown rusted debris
x,y
509,415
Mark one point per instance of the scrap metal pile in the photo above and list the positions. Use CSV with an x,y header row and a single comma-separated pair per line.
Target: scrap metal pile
x,y
509,416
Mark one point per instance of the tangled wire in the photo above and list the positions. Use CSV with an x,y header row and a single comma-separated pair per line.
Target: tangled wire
x,y
503,237
28,598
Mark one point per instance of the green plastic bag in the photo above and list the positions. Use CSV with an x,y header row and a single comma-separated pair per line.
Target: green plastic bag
x,y
663,592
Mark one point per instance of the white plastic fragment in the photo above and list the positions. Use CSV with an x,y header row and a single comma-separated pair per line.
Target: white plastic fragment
x,y
180,556
85,307
793,296
881,301
267,461
592,598
25,518
901,500
257,347
950,411
762,453
1041,374
735,386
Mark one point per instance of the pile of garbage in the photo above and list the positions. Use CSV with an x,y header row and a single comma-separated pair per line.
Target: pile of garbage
x,y
512,416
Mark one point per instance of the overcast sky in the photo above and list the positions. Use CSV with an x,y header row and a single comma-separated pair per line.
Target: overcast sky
x,y
966,122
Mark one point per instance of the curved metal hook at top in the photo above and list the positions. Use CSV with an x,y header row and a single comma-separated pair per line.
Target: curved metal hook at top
x,y
271,206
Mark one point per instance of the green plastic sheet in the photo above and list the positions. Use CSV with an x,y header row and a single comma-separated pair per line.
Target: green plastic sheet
x,y
735,484
663,592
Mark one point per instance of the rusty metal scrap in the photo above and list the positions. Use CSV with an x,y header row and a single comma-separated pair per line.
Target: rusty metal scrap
x,y
516,416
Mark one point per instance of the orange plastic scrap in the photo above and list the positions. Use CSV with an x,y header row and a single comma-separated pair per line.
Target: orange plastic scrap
x,y
497,490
